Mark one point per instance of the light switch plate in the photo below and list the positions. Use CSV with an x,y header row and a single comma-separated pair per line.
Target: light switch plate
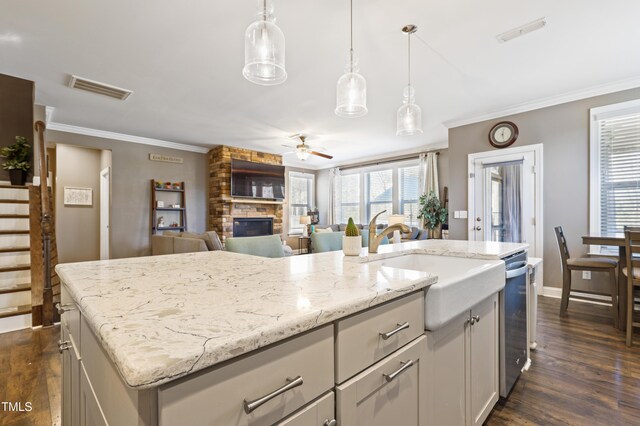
x,y
456,214
463,214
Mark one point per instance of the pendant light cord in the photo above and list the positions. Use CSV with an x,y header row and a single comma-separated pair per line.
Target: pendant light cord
x,y
351,39
409,58
264,10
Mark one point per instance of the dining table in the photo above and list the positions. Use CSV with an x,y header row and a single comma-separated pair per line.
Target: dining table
x,y
616,240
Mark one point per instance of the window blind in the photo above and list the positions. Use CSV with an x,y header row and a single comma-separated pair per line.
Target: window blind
x,y
619,173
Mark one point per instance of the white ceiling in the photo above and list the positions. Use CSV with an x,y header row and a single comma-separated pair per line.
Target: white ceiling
x,y
183,60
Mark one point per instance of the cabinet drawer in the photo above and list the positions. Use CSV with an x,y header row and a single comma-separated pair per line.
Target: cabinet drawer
x,y
390,392
360,341
71,316
318,413
217,396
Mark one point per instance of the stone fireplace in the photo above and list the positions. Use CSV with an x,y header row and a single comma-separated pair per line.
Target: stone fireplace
x,y
252,226
223,209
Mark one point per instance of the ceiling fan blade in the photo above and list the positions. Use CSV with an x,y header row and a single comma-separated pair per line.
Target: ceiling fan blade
x,y
289,146
288,152
319,154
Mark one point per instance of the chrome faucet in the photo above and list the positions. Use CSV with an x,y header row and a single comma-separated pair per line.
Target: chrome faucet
x,y
376,239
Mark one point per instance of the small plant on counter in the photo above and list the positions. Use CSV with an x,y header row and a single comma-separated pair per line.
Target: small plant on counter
x,y
432,213
17,163
352,240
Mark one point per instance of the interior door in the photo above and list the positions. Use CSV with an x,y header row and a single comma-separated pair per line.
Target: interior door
x,y
503,191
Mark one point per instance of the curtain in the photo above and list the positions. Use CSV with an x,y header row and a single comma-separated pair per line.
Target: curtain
x,y
512,202
428,174
334,196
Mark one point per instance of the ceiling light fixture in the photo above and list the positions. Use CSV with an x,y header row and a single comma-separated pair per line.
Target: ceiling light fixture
x,y
351,99
264,50
520,31
409,114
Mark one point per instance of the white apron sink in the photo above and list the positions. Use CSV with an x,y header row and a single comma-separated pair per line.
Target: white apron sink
x,y
462,283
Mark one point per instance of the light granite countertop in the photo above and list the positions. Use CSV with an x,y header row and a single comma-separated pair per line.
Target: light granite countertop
x,y
164,317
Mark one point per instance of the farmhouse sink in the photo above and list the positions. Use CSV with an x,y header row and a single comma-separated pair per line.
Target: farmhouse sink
x,y
462,283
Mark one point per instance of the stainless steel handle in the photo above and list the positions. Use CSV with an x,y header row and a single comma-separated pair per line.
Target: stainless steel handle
x,y
517,272
249,406
388,334
63,308
474,319
63,346
405,365
331,422
478,228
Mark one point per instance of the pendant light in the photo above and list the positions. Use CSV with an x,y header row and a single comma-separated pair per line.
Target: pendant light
x,y
264,49
351,99
409,114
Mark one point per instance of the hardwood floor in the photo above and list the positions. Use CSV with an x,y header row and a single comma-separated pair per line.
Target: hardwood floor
x,y
582,373
30,372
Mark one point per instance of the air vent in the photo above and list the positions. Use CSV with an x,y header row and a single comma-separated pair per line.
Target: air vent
x,y
99,88
520,31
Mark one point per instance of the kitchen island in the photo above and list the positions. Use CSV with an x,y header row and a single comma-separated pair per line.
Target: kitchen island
x,y
160,340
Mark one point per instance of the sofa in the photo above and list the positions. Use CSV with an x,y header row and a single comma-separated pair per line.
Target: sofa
x,y
263,246
184,242
332,241
415,234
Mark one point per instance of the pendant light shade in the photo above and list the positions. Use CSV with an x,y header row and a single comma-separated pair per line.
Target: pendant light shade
x,y
409,119
351,91
264,49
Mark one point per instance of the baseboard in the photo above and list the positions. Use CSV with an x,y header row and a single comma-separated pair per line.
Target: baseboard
x,y
556,292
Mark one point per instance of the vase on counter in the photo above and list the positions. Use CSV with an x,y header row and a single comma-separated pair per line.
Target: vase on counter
x,y
351,246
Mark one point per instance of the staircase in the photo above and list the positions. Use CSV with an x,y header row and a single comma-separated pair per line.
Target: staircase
x,y
15,274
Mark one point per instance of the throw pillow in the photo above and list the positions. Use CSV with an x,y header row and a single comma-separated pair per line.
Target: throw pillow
x,y
214,239
171,233
202,237
321,230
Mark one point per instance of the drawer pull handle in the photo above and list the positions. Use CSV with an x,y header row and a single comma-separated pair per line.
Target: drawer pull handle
x,y
63,346
63,308
405,366
401,327
331,422
249,406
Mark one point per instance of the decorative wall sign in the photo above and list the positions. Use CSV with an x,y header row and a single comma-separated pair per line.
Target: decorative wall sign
x,y
78,196
166,158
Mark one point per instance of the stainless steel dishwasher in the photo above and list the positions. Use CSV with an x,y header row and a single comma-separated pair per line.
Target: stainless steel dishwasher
x,y
513,322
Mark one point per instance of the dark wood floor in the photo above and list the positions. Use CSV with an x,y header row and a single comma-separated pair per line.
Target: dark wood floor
x,y
582,373
30,372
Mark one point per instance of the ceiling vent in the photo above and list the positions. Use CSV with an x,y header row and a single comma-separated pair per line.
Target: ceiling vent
x,y
99,88
520,31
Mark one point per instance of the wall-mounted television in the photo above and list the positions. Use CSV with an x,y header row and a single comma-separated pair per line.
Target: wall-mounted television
x,y
257,180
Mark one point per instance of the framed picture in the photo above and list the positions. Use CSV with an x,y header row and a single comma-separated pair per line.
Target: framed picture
x,y
78,196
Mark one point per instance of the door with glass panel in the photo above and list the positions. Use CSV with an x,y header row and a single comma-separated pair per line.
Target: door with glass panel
x,y
502,205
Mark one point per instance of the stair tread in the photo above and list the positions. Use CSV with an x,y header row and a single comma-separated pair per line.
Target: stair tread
x,y
15,268
14,232
15,311
14,216
15,288
13,201
14,249
14,186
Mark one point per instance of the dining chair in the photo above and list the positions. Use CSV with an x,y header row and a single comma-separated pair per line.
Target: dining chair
x,y
593,264
632,272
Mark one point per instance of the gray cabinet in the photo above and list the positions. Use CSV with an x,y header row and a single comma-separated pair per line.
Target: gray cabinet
x,y
386,392
319,413
463,366
90,412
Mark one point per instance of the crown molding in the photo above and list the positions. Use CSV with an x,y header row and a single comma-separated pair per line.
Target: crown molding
x,y
590,92
60,127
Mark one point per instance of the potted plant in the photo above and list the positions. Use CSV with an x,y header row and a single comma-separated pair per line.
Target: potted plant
x,y
433,214
352,240
17,163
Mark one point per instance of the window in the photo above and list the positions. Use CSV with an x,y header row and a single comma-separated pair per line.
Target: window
x,y
615,168
379,197
408,178
300,199
349,198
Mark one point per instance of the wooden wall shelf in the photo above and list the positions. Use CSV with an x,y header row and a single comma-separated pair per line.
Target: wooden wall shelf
x,y
181,211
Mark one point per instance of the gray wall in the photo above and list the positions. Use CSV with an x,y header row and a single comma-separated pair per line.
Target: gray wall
x,y
78,227
564,132
322,183
131,189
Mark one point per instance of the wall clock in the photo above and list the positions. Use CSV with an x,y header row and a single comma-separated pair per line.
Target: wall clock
x,y
503,134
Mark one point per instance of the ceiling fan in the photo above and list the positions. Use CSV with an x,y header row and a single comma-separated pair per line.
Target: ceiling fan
x,y
302,150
